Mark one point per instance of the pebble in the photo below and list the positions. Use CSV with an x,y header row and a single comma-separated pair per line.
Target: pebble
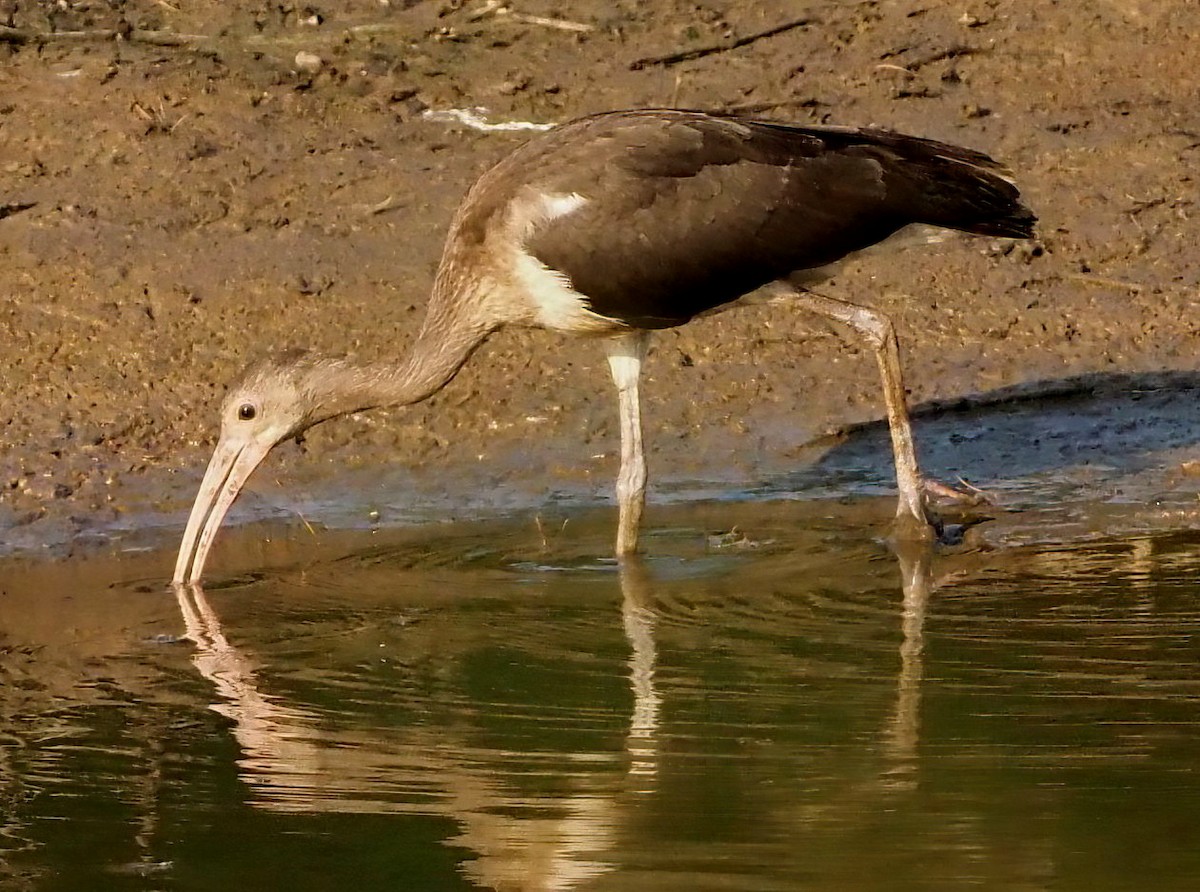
x,y
310,62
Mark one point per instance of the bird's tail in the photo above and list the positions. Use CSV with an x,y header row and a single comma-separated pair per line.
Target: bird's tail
x,y
951,186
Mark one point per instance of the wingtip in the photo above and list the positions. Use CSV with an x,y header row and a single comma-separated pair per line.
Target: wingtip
x,y
1022,224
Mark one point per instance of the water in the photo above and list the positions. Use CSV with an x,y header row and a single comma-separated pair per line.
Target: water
x,y
459,707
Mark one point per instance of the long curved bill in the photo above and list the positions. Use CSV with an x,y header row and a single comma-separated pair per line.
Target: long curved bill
x,y
232,464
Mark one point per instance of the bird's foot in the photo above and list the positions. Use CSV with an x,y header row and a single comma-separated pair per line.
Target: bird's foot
x,y
964,495
963,504
941,516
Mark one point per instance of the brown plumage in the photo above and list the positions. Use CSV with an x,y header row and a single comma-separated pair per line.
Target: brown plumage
x,y
621,223
699,210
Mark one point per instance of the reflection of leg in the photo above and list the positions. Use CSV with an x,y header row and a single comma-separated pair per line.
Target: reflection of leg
x,y
903,734
912,519
625,356
637,613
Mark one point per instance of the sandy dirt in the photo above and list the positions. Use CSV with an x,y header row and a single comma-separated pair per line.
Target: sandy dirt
x,y
170,212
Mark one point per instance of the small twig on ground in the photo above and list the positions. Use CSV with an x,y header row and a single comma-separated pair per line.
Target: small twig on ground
x,y
473,118
387,204
723,47
950,52
133,35
157,121
489,8
199,43
499,9
1104,282
560,24
168,38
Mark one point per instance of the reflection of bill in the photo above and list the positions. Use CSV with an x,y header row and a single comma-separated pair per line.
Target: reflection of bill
x,y
296,760
277,740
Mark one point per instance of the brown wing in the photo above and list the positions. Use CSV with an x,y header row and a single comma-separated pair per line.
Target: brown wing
x,y
684,215
686,211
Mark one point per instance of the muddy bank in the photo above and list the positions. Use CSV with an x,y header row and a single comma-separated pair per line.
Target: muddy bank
x,y
170,212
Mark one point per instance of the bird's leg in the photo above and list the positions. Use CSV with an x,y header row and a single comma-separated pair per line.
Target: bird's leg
x,y
912,517
625,356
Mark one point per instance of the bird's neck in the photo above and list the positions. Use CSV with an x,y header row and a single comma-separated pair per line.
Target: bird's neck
x,y
450,334
436,356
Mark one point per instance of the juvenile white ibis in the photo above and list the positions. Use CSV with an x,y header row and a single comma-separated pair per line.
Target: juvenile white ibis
x,y
614,225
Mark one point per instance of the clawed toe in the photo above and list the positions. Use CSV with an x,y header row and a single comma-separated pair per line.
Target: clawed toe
x,y
964,495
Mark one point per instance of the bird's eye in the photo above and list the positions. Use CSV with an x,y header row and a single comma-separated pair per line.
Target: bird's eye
x,y
246,412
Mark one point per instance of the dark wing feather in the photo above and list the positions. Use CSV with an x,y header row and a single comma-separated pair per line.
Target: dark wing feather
x,y
688,211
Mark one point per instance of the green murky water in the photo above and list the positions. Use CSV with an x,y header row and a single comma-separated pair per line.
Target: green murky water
x,y
459,707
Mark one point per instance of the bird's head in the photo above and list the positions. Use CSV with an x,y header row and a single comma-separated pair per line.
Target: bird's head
x,y
274,401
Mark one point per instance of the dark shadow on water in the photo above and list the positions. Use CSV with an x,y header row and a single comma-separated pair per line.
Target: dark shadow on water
x,y
1041,434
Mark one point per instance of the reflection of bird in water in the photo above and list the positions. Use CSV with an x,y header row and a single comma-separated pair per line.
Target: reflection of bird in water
x,y
903,735
638,616
619,224
296,760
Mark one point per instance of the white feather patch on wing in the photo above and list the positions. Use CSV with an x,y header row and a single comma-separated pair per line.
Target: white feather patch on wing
x,y
555,206
532,209
556,303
